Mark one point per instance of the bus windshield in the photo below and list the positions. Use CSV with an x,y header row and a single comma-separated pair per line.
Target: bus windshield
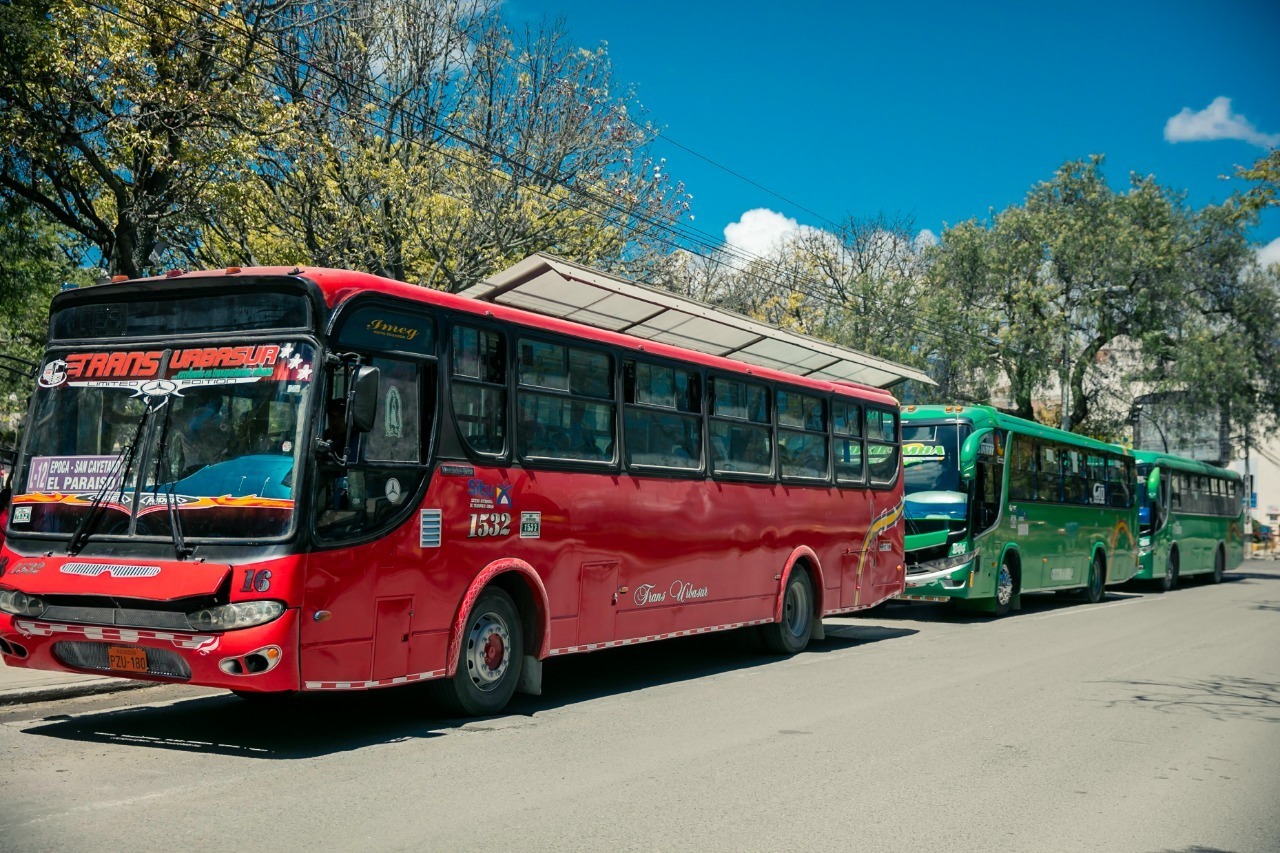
x,y
177,442
931,470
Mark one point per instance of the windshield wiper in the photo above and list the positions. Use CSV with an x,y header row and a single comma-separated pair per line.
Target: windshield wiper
x,y
180,546
93,517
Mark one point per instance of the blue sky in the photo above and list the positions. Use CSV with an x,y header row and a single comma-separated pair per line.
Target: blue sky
x,y
937,111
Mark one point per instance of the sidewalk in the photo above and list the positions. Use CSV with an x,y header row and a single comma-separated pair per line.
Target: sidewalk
x,y
19,685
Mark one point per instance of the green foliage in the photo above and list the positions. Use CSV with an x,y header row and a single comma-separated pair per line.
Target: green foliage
x,y
125,127
35,260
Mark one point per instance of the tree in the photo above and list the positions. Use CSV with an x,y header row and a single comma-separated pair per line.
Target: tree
x,y
36,258
448,147
1266,172
126,127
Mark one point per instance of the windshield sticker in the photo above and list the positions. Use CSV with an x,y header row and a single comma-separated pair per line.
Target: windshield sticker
x,y
21,515
392,420
149,502
73,474
148,374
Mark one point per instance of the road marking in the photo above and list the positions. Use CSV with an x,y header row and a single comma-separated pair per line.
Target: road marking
x,y
1094,608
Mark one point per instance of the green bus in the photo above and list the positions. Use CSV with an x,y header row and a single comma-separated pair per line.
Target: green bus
x,y
997,506
1191,519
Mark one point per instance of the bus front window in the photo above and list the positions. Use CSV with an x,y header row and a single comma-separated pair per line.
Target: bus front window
x,y
931,473
171,443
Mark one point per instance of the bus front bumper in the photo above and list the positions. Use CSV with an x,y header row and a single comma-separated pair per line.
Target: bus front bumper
x,y
263,658
941,580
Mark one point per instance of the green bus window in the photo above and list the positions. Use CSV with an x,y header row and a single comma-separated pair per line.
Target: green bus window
x,y
1022,477
1075,478
1048,473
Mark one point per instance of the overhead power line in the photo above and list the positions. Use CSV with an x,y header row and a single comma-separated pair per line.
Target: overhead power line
x,y
692,235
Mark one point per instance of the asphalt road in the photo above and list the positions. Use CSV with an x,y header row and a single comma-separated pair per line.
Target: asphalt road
x,y
1147,723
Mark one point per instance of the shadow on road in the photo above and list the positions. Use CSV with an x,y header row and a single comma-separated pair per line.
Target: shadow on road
x,y
1224,697
1032,603
314,725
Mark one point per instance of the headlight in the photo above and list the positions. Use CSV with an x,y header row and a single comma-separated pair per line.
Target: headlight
x,y
20,604
244,614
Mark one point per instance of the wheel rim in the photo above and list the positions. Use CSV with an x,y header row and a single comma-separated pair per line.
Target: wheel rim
x,y
1004,586
795,610
1168,573
488,651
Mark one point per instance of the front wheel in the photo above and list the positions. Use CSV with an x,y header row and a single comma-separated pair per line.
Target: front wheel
x,y
489,660
1170,579
1096,590
1004,590
792,633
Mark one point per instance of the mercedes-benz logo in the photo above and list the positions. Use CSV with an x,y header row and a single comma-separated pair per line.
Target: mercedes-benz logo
x,y
393,490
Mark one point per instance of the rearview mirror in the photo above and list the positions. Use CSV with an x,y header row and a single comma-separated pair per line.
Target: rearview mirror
x,y
1153,484
362,402
969,452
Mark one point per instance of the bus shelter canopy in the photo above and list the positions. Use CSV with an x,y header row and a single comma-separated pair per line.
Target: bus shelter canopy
x,y
545,284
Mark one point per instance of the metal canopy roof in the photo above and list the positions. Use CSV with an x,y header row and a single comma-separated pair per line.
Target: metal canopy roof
x,y
545,284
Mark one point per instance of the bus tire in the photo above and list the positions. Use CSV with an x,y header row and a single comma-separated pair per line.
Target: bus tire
x,y
1097,588
1170,579
1219,566
791,633
1006,586
489,659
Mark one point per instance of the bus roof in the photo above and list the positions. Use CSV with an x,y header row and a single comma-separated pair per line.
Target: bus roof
x,y
337,286
987,416
1182,463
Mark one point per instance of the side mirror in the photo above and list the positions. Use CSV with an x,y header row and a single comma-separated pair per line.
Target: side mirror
x,y
1153,484
969,453
362,402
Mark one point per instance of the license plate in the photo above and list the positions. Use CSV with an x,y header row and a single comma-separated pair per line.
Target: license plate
x,y
124,659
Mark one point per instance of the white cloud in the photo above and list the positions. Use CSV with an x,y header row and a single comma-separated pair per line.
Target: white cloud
x,y
1270,253
760,231
1216,121
924,240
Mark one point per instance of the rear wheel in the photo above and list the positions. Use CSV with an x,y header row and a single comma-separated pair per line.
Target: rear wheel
x,y
1219,566
1096,590
489,659
791,634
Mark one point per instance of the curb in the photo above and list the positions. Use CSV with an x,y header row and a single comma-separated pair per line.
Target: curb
x,y
29,695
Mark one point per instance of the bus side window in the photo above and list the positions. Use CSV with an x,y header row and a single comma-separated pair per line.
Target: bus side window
x,y
740,423
479,388
882,446
1022,482
846,429
1048,473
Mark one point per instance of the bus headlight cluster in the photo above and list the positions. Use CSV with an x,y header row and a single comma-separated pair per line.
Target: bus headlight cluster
x,y
20,604
227,617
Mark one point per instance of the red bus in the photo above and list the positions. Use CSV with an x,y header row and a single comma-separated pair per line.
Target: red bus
x,y
273,480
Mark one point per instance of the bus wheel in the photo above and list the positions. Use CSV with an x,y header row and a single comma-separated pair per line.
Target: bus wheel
x,y
489,660
1004,590
1170,579
1219,566
792,633
1096,590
